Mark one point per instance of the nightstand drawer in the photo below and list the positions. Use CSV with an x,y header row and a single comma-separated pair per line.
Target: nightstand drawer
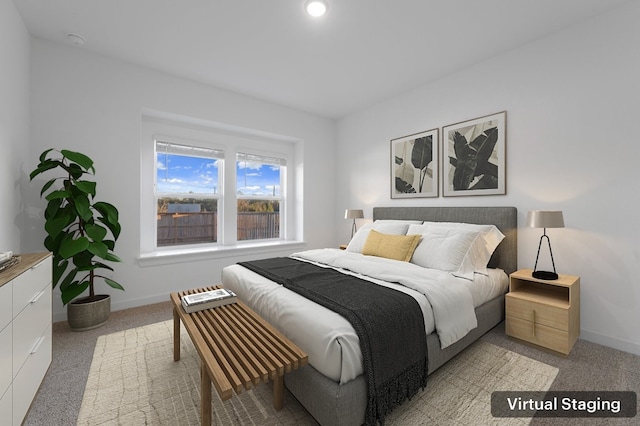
x,y
543,314
538,334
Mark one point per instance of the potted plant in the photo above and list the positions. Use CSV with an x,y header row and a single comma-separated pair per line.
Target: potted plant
x,y
81,235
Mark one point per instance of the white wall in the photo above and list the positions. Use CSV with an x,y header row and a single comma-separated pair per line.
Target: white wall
x,y
14,122
81,101
573,104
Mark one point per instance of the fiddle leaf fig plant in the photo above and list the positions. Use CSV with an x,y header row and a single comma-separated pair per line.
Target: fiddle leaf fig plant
x,y
81,232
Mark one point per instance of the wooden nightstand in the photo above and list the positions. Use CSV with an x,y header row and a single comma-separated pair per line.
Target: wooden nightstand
x,y
546,313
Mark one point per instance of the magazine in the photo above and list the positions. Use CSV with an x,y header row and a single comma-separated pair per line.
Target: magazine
x,y
207,300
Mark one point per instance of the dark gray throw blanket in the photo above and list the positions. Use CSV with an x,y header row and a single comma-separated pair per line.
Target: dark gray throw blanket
x,y
389,324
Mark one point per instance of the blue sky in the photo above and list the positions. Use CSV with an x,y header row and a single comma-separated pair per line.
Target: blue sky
x,y
179,173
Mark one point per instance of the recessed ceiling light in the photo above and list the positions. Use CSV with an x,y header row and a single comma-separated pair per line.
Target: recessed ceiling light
x,y
316,7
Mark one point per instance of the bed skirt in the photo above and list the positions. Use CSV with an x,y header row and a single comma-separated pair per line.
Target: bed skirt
x,y
332,404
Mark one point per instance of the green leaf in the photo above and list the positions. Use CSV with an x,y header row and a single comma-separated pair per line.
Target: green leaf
x,y
44,154
109,217
81,159
83,260
73,291
87,187
68,279
110,244
95,232
52,244
102,266
108,211
47,186
43,167
83,206
112,257
75,171
56,224
113,284
53,207
70,247
60,193
58,271
98,249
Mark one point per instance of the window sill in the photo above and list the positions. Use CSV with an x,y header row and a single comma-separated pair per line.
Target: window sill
x,y
179,255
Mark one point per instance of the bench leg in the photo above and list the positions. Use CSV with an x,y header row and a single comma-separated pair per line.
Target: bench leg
x,y
278,392
176,335
205,396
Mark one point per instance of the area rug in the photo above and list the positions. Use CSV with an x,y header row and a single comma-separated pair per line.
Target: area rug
x,y
133,380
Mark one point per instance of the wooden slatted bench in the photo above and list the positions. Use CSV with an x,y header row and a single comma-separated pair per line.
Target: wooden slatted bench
x,y
238,349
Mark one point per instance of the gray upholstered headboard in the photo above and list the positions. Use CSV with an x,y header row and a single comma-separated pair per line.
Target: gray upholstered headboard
x,y
504,218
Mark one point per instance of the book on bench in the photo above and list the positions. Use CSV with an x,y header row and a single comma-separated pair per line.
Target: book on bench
x,y
207,300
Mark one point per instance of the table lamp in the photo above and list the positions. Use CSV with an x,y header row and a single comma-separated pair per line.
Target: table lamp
x,y
545,219
353,214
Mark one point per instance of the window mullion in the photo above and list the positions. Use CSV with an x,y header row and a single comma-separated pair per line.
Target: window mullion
x,y
230,209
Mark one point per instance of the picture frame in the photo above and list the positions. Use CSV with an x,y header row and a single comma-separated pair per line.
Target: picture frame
x,y
474,156
414,165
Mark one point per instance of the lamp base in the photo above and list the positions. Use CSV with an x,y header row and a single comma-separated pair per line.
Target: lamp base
x,y
545,275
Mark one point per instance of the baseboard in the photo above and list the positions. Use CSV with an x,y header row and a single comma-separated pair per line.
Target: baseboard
x,y
118,306
612,342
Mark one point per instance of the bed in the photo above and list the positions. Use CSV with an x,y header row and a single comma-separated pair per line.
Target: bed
x,y
335,392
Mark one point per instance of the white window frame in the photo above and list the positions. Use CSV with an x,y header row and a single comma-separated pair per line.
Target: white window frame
x,y
275,159
187,146
230,140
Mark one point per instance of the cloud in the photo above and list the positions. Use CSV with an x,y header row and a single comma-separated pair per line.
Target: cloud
x,y
249,165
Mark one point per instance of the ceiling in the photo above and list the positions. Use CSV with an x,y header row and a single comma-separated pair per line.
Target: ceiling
x,y
361,52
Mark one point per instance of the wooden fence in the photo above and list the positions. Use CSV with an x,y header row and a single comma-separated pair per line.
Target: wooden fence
x,y
258,226
194,228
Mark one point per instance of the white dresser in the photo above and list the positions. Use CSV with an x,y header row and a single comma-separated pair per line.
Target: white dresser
x,y
25,333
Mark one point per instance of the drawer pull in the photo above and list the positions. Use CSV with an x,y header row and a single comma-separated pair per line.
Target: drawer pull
x,y
37,297
37,345
534,323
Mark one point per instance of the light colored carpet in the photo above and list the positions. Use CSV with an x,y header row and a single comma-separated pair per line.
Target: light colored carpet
x,y
134,381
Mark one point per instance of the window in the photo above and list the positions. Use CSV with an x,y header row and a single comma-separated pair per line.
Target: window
x,y
208,189
186,194
259,188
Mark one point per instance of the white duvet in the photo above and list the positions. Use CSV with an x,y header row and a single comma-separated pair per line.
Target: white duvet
x,y
447,304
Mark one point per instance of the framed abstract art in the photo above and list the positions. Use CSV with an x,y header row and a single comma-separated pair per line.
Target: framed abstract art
x,y
414,165
473,156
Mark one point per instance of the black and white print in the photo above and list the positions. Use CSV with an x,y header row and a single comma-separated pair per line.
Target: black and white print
x,y
474,156
414,165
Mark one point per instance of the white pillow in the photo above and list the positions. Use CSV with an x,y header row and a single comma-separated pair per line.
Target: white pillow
x,y
394,227
491,237
447,249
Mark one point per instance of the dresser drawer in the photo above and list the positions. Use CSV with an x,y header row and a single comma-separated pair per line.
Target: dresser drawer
x,y
6,353
6,305
6,404
27,285
29,326
544,314
28,380
538,334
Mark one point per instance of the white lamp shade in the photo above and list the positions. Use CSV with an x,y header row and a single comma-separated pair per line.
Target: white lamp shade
x,y
353,214
545,219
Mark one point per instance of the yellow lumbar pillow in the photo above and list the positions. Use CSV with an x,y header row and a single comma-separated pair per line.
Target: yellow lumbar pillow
x,y
397,247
